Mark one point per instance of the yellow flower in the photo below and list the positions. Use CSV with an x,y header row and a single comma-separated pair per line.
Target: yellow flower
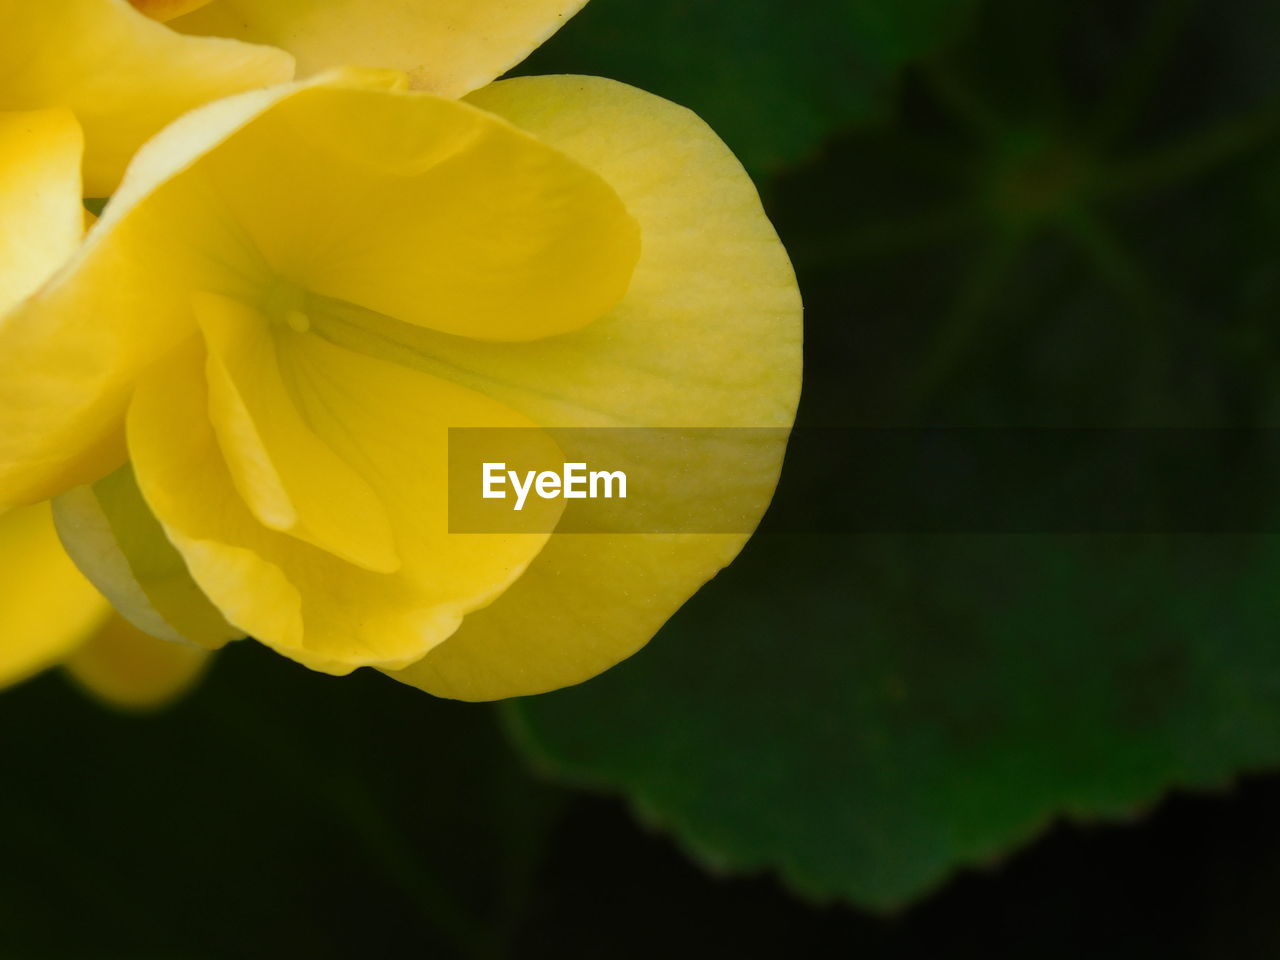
x,y
297,292
84,83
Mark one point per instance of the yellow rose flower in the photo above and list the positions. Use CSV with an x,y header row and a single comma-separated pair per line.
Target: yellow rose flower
x,y
297,292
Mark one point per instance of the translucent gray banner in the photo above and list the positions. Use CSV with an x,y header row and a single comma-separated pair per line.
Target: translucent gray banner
x,y
1168,480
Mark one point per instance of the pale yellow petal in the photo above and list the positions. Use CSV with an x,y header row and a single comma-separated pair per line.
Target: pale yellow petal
x,y
287,475
119,545
388,423
41,217
124,75
427,210
125,667
708,335
47,609
449,47
69,355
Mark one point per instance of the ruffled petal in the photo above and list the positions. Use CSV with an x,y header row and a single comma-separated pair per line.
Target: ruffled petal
x,y
303,197
69,355
709,335
389,424
288,476
427,210
449,47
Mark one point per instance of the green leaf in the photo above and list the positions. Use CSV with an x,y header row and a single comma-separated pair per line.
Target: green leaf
x,y
1073,223
864,714
774,78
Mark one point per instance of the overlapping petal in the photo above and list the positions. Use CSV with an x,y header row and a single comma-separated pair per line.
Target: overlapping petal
x,y
69,356
388,422
119,545
334,213
427,210
709,334
293,340
449,47
122,74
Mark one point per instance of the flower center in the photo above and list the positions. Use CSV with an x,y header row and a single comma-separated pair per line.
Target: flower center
x,y
285,302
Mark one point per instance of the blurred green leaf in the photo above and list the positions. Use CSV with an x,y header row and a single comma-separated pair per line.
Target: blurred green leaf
x,y
774,78
866,714
1073,222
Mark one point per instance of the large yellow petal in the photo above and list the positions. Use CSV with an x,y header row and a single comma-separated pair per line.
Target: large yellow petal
x,y
427,210
125,667
449,47
124,75
391,425
405,203
708,335
70,354
47,609
41,217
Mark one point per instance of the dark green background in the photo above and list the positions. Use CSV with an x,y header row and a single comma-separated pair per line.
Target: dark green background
x,y
1002,213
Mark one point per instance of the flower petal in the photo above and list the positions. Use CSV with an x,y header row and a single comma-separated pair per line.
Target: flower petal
x,y
47,608
41,217
124,75
125,667
449,47
288,476
390,424
709,335
427,210
70,354
111,534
